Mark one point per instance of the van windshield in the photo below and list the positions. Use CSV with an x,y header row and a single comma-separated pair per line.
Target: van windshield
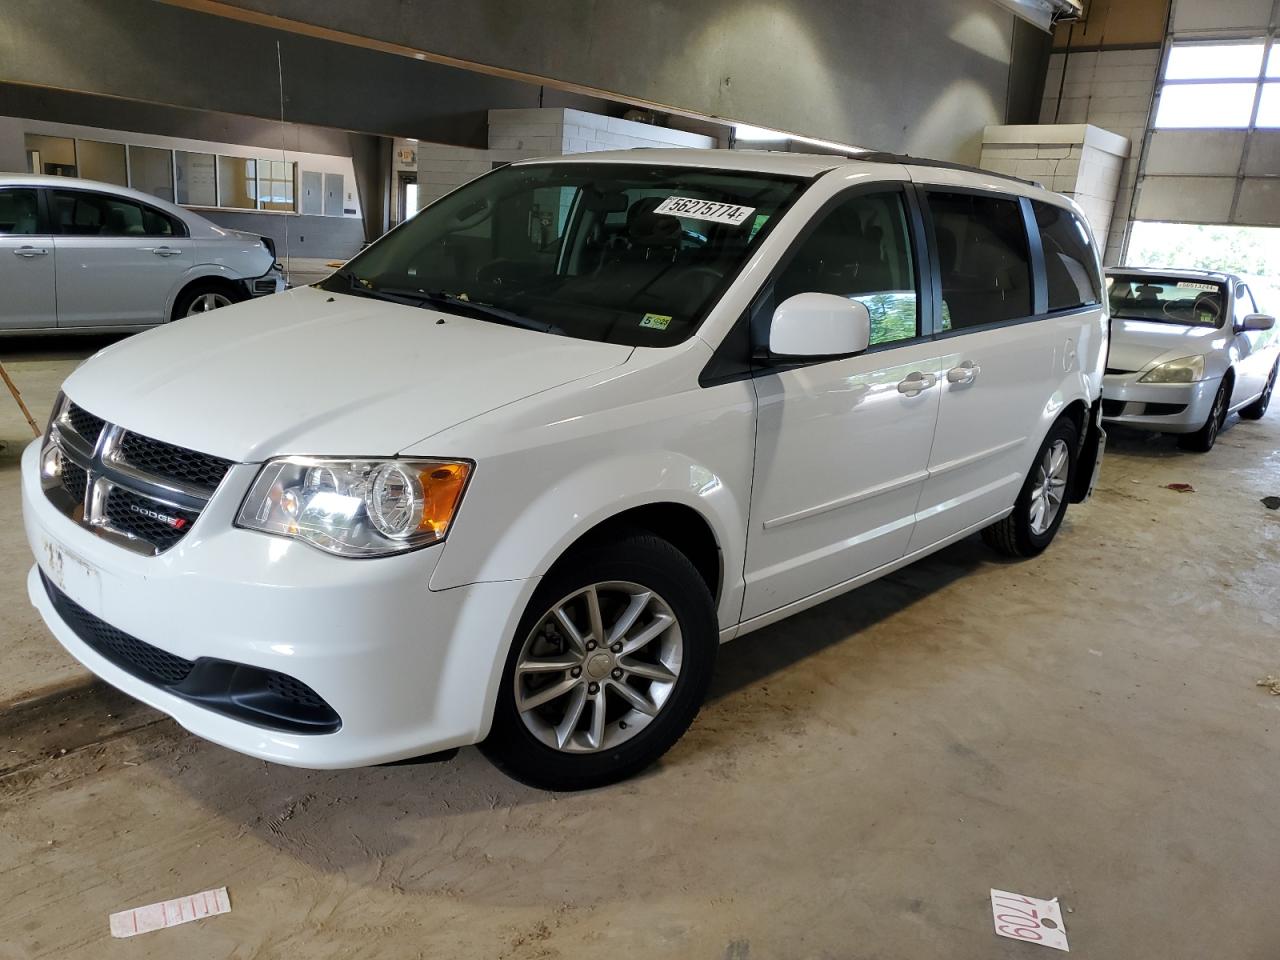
x,y
621,253
1188,303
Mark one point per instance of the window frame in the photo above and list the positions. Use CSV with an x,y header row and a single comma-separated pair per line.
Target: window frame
x,y
741,355
180,230
1035,256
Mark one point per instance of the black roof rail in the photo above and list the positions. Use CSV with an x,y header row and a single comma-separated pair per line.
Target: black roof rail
x,y
902,158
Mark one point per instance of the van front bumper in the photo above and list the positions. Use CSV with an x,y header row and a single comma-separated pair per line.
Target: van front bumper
x,y
405,670
1164,407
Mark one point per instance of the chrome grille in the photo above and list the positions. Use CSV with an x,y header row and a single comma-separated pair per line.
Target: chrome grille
x,y
174,463
142,493
84,423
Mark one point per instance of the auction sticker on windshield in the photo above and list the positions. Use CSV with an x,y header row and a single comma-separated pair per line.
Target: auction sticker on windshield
x,y
694,209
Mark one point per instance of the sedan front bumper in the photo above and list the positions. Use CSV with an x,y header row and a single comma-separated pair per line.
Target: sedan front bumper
x,y
1163,407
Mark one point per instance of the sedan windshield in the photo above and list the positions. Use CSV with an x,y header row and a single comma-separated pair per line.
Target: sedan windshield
x,y
1188,303
621,253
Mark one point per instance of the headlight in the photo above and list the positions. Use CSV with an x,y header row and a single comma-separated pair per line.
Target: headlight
x,y
1185,370
356,508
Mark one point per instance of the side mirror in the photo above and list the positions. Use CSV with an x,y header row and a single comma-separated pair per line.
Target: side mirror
x,y
1259,321
814,325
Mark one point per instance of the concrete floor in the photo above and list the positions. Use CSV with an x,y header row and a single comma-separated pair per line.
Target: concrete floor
x,y
1085,725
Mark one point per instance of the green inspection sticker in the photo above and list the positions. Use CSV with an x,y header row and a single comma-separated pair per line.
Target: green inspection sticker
x,y
656,321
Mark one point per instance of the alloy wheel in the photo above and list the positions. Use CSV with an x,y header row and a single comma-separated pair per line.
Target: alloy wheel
x,y
208,301
1050,487
598,667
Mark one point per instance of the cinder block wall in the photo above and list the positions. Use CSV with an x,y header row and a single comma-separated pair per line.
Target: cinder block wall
x,y
1080,160
1112,89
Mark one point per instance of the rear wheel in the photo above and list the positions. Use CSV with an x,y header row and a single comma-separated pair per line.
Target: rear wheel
x,y
1257,409
1202,440
1042,503
608,668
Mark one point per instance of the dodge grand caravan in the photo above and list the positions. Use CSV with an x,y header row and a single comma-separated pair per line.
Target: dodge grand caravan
x,y
512,474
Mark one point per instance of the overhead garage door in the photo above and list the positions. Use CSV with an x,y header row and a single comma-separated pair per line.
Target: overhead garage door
x,y
1213,154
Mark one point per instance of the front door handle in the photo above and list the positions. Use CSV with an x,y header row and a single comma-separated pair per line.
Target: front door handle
x,y
916,383
967,372
30,252
165,251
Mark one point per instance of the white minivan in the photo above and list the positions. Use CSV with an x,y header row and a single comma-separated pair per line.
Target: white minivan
x,y
513,474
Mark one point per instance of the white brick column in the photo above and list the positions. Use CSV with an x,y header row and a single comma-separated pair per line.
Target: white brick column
x,y
1079,160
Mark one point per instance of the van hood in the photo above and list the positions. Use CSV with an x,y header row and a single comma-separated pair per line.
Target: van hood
x,y
1136,343
313,373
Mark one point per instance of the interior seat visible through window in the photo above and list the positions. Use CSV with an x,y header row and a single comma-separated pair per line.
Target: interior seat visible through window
x,y
984,259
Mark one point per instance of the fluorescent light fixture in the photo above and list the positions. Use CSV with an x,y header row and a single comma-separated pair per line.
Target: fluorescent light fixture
x,y
744,131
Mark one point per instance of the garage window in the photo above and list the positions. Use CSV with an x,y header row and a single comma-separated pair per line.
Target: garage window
x,y
1219,86
1070,265
984,260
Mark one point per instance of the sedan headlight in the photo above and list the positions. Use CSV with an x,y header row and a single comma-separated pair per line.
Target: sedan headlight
x,y
356,508
1184,370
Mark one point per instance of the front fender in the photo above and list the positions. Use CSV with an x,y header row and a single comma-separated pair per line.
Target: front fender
x,y
497,544
201,271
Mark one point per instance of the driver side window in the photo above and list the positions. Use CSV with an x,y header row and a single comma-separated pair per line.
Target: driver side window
x,y
861,250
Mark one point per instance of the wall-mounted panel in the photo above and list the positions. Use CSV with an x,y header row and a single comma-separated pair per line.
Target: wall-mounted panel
x,y
1259,204
1186,199
1195,152
1220,15
1264,155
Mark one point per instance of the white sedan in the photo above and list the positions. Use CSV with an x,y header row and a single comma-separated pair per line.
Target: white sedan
x,y
1188,347
78,256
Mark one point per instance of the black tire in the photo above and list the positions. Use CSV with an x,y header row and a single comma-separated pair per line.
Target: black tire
x,y
1015,535
205,288
1202,440
1258,409
654,564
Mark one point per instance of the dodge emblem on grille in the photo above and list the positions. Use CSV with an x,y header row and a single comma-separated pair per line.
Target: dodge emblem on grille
x,y
177,523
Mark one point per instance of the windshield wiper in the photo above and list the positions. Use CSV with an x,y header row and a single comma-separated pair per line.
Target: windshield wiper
x,y
461,304
361,288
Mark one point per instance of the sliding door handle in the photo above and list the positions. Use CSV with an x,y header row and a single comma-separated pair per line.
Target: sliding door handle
x,y
967,372
916,383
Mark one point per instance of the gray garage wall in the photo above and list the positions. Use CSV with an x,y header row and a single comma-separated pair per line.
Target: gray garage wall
x,y
142,50
922,76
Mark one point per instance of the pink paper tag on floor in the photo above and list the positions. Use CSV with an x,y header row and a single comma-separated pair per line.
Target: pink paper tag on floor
x,y
1026,918
157,916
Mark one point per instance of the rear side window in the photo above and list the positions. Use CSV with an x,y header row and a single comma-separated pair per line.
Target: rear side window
x,y
1070,265
84,214
18,212
861,251
984,261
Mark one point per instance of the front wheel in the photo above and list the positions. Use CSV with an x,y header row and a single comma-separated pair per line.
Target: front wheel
x,y
608,667
1202,440
1258,409
1042,503
203,297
